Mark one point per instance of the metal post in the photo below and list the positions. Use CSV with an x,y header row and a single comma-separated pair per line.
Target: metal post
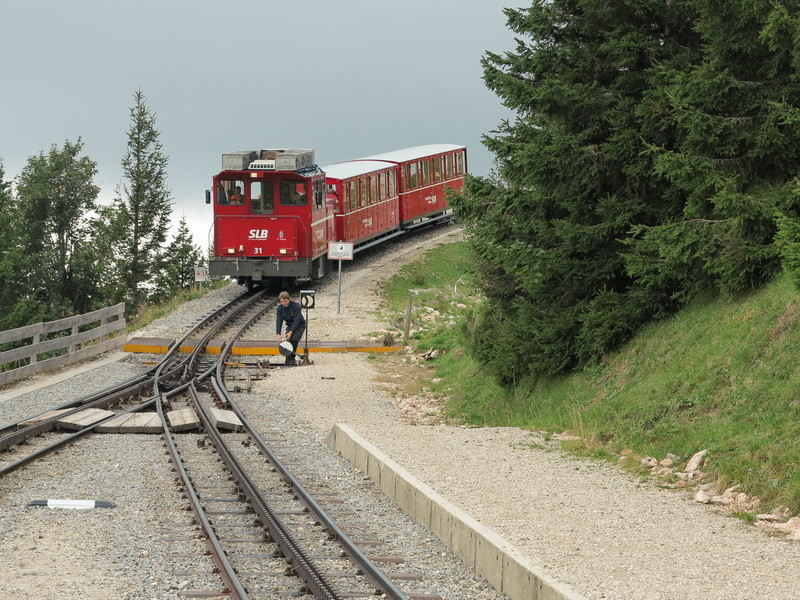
x,y
305,358
339,302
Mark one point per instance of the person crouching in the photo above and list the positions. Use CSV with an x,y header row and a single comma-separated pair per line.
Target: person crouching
x,y
289,312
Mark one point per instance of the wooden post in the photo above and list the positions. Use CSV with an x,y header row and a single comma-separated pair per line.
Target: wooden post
x,y
407,322
73,347
35,342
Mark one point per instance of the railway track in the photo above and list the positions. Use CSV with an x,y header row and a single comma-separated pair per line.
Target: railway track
x,y
265,533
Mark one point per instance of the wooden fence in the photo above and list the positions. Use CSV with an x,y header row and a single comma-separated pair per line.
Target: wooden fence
x,y
59,343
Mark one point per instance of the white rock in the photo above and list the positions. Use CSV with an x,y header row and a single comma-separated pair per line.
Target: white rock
x,y
702,497
695,461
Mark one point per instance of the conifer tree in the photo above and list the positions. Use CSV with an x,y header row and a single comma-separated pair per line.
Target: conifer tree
x,y
572,178
142,208
734,160
177,269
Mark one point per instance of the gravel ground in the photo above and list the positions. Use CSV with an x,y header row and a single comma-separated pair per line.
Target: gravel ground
x,y
589,525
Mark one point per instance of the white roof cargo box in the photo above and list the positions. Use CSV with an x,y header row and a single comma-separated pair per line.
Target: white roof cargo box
x,y
237,161
287,159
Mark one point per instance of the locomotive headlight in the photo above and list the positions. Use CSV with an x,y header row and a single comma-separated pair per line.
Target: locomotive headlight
x,y
283,251
231,250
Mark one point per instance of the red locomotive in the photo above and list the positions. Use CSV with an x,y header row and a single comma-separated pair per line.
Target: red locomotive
x,y
275,210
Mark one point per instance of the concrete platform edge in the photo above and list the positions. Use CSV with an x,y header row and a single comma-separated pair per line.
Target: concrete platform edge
x,y
479,547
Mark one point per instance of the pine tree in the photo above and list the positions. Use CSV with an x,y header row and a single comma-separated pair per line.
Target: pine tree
x,y
735,155
572,178
177,268
142,208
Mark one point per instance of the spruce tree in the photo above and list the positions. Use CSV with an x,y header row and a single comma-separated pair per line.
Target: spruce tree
x,y
734,159
177,269
142,208
572,178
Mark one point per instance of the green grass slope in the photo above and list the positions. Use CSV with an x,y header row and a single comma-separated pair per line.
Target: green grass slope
x,y
722,375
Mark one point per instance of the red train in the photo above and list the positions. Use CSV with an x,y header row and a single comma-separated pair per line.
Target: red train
x,y
275,210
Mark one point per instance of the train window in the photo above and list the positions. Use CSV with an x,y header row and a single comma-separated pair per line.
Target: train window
x,y
459,163
392,185
413,171
319,194
373,189
426,172
262,198
230,192
353,194
382,180
449,166
293,193
222,192
362,186
437,169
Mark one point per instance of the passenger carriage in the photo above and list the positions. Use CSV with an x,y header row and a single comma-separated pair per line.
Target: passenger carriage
x,y
423,174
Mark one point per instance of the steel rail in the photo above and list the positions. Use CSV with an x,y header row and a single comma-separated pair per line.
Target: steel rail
x,y
378,578
228,312
226,571
85,399
289,547
68,439
15,433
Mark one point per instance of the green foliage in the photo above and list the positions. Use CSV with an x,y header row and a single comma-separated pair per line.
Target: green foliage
x,y
55,195
653,146
15,303
787,241
177,267
61,253
720,375
139,220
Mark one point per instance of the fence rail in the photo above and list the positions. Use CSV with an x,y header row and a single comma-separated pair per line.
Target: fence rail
x,y
102,331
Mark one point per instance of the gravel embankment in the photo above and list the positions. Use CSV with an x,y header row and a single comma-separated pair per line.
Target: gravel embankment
x,y
590,526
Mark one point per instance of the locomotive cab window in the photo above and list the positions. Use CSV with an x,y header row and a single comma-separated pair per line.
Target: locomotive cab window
x,y
262,198
293,193
230,192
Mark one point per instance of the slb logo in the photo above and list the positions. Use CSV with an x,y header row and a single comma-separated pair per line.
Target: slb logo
x,y
258,234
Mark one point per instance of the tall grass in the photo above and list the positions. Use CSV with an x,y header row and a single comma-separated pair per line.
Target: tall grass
x,y
723,374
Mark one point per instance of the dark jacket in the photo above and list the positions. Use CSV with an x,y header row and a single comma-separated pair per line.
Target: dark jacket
x,y
291,315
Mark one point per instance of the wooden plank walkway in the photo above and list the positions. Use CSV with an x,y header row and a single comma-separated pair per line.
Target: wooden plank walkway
x,y
83,419
139,422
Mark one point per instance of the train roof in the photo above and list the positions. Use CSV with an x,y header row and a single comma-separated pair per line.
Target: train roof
x,y
367,164
415,152
354,168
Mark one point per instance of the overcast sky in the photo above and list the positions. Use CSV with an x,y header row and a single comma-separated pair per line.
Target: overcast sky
x,y
347,78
